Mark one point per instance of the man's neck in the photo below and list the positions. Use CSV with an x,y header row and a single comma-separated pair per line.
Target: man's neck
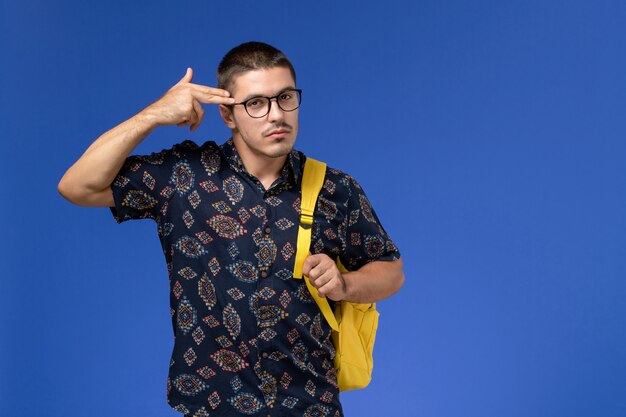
x,y
266,169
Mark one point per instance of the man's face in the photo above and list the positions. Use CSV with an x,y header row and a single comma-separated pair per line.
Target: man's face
x,y
272,135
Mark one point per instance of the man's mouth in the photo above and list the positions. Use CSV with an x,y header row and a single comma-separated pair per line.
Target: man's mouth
x,y
278,132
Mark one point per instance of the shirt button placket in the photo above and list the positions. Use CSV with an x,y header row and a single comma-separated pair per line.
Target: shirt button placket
x,y
266,347
268,230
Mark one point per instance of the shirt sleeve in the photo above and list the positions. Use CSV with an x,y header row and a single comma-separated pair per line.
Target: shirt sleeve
x,y
142,187
365,238
347,226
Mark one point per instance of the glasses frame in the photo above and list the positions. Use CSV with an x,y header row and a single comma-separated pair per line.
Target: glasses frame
x,y
269,107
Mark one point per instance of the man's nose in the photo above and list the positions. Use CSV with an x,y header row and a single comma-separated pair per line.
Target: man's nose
x,y
275,113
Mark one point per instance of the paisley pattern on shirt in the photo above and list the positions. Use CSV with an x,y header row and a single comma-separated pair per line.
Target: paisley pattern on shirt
x,y
249,340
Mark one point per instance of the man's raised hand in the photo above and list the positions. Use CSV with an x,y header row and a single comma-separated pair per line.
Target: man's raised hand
x,y
181,105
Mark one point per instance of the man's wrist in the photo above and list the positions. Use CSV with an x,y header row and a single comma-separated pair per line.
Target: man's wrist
x,y
349,285
146,120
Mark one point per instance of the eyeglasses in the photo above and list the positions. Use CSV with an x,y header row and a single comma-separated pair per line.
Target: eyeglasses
x,y
287,100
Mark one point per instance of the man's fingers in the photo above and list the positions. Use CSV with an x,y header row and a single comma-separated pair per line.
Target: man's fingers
x,y
200,113
190,119
333,290
193,118
330,285
203,93
212,99
209,95
321,277
311,262
205,89
323,273
327,288
319,268
187,77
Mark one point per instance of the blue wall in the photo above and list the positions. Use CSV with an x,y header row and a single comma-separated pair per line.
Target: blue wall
x,y
489,136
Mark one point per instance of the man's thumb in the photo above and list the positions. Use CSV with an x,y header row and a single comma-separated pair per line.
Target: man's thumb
x,y
187,77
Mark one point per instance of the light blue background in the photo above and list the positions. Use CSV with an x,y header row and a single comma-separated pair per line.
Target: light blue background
x,y
489,136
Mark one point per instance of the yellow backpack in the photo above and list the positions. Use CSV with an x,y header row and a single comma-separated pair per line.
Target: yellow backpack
x,y
354,325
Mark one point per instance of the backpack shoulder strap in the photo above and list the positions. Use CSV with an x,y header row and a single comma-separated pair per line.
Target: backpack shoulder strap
x,y
312,182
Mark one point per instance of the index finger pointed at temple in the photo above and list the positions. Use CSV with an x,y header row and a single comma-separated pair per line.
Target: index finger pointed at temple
x,y
210,90
210,98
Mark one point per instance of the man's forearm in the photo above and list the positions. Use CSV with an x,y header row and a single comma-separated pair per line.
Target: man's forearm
x,y
374,281
88,181
96,169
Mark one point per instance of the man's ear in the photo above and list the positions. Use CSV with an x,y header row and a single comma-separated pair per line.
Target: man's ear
x,y
227,116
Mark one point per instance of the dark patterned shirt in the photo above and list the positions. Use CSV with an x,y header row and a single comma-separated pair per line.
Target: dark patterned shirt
x,y
249,339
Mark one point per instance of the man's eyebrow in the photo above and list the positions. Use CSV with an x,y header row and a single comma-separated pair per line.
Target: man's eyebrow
x,y
253,95
257,95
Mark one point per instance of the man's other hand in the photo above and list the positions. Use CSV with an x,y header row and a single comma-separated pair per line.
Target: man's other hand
x,y
323,273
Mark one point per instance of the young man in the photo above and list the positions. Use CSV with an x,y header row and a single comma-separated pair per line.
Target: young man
x,y
249,339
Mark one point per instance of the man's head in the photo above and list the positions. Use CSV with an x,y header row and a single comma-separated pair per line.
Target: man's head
x,y
252,73
247,57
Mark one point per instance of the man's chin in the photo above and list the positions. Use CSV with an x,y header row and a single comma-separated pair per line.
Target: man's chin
x,y
281,148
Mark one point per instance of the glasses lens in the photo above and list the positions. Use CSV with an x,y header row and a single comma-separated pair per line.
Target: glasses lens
x,y
289,100
257,107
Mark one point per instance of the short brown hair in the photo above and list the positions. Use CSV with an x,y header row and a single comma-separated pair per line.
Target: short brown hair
x,y
250,56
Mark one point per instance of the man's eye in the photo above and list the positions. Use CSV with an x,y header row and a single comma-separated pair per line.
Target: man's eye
x,y
286,96
254,103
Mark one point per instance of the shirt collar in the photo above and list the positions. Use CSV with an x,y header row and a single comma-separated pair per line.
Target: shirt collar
x,y
291,172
